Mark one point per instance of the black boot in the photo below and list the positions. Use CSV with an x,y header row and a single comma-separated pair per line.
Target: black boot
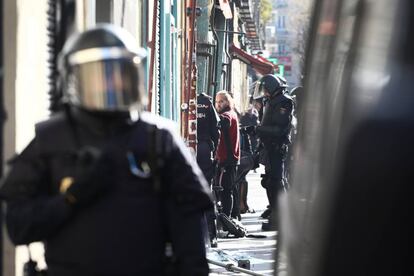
x,y
212,232
270,225
266,213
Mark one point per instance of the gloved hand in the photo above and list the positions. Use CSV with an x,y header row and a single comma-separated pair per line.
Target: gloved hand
x,y
256,160
264,181
251,130
93,177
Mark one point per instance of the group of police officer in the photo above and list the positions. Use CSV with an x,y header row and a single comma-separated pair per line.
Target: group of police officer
x,y
110,188
274,130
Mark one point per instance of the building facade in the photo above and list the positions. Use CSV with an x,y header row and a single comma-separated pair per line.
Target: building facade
x,y
285,36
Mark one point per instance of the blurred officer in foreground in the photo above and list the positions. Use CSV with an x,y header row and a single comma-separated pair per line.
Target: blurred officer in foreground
x,y
106,186
274,133
207,140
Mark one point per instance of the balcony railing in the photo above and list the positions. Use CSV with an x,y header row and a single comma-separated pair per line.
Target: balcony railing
x,y
246,10
248,14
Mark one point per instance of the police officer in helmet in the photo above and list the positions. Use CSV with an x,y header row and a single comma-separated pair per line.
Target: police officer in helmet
x,y
274,134
207,134
207,140
106,186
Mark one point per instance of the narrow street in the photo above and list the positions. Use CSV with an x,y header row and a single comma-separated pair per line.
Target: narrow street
x,y
258,251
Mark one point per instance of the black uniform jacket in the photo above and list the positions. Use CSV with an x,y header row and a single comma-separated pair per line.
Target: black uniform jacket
x,y
276,122
124,231
207,121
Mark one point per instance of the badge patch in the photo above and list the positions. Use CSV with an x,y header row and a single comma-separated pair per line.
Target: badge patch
x,y
283,110
65,184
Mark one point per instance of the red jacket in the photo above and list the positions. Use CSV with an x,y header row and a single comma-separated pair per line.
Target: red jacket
x,y
229,122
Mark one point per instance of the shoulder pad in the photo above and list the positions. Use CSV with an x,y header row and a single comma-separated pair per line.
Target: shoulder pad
x,y
166,129
53,122
281,98
205,95
203,98
158,121
286,96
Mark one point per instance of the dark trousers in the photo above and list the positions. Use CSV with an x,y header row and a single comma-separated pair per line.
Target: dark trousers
x,y
274,169
246,164
226,177
205,162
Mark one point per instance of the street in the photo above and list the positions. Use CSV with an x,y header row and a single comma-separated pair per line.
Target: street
x,y
258,251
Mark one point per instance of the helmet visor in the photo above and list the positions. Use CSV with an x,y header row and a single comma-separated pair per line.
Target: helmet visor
x,y
258,91
107,85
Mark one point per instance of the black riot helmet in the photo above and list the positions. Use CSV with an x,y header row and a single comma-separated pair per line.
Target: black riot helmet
x,y
101,70
270,83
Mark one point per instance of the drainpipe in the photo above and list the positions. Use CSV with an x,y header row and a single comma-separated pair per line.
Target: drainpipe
x,y
2,120
202,45
61,24
151,45
166,54
228,64
215,53
219,23
209,58
190,106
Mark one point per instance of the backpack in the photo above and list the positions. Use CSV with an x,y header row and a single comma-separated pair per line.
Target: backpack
x,y
234,228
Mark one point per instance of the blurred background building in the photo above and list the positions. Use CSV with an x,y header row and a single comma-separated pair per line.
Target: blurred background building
x,y
286,35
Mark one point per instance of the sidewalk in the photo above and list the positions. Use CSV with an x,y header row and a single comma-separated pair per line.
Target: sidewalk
x,y
258,251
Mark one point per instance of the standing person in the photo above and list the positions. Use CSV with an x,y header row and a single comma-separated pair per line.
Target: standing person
x,y
274,133
207,135
248,122
259,152
106,186
207,140
228,152
253,121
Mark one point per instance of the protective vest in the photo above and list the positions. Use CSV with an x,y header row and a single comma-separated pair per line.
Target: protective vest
x,y
207,121
276,122
127,220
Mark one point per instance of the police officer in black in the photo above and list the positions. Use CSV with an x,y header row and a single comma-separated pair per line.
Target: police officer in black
x,y
207,139
274,133
207,134
106,186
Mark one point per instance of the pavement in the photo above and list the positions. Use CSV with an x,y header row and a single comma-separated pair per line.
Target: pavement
x,y
258,251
